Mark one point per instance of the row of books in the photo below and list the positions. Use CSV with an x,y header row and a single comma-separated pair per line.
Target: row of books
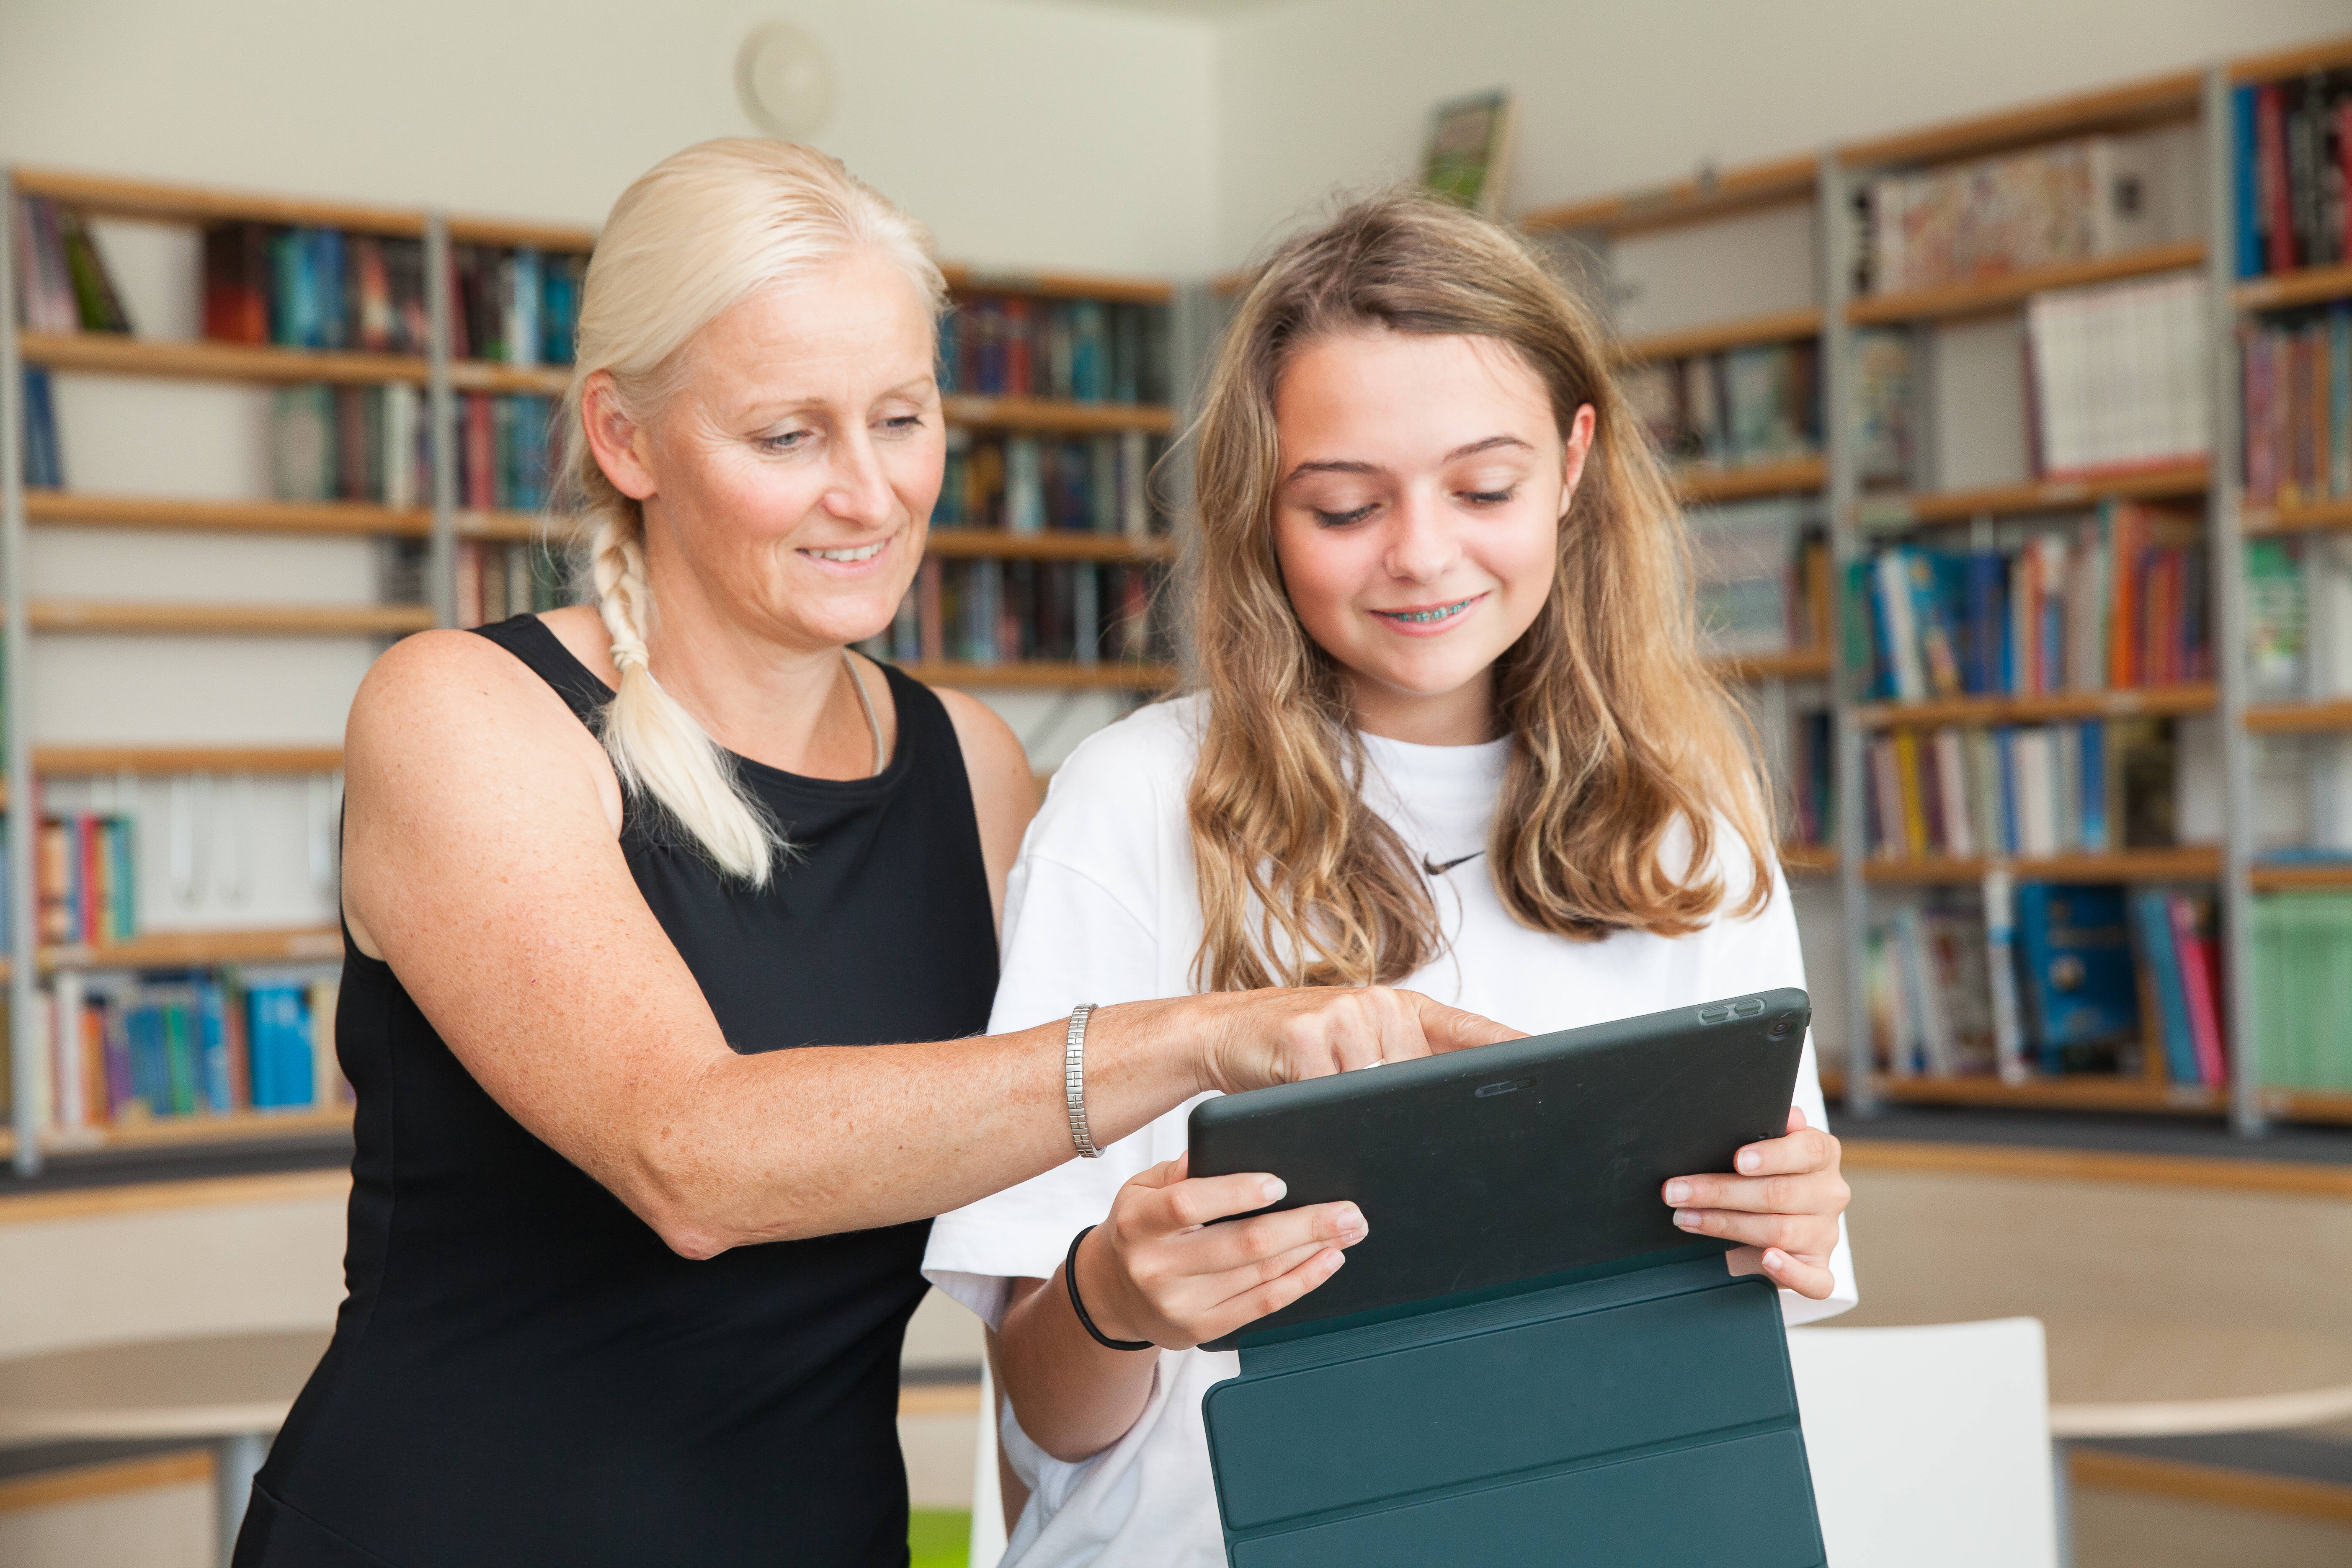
x,y
2049,977
2285,581
371,444
2302,985
130,1047
315,288
1027,484
1005,612
2119,600
517,306
1760,575
62,283
1732,409
2065,201
2293,147
2119,376
1083,351
2033,790
45,462
350,443
88,887
2298,391
495,581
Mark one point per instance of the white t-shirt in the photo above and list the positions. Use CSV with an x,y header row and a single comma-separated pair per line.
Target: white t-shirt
x,y
1102,907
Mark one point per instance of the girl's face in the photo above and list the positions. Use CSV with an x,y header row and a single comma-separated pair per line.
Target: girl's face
x,y
792,477
1417,517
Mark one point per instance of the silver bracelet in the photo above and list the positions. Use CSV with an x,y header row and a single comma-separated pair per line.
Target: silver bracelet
x,y
1074,1080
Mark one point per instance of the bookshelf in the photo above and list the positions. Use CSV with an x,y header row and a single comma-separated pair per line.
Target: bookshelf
x,y
440,378
1866,515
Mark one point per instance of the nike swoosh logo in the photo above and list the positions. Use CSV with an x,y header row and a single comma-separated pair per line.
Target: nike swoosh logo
x,y
1434,870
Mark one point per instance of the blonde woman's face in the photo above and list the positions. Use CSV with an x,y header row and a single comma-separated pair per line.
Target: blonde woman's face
x,y
1417,517
792,477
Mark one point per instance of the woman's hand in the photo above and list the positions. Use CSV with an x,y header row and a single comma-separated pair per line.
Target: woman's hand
x,y
1156,1270
1782,1207
1256,1039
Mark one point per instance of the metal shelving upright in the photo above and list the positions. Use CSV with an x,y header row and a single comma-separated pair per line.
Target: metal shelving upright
x,y
15,648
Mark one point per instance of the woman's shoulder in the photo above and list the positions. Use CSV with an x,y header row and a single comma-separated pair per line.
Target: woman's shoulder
x,y
1150,750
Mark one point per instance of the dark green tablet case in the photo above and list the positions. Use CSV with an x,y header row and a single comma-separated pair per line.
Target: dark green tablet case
x,y
1634,1411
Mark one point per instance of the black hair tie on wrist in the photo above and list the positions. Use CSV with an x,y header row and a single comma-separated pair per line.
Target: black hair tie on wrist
x,y
1070,1277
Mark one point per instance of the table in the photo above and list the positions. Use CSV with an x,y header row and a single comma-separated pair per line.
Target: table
x,y
230,1390
2124,1377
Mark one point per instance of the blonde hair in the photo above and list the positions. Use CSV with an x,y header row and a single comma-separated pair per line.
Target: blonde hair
x,y
699,232
1618,733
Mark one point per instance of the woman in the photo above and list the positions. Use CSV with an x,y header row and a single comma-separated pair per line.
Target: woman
x,y
628,1275
1454,731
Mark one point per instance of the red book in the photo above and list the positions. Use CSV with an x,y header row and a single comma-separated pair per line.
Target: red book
x,y
237,283
2270,164
932,627
90,841
2196,960
1017,348
481,453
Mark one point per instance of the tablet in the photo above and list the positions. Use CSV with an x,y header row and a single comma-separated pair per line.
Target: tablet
x,y
1517,1161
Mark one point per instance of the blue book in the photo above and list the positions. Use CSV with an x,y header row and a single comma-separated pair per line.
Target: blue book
x,y
44,469
327,260
2152,925
2246,177
2004,742
2094,748
151,1074
214,1075
2079,980
278,1038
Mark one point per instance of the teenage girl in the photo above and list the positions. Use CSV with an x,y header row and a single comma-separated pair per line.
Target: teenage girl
x,y
1453,733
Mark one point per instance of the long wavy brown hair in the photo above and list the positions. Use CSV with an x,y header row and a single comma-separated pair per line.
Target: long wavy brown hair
x,y
1619,732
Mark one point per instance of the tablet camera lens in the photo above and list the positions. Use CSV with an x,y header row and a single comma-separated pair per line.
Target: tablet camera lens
x,y
1781,1027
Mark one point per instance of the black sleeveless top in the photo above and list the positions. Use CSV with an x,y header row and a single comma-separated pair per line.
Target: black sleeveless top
x,y
522,1372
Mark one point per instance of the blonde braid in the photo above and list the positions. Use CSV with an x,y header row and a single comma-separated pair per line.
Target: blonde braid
x,y
658,749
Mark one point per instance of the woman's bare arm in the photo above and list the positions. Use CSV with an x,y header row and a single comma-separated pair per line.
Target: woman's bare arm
x,y
481,860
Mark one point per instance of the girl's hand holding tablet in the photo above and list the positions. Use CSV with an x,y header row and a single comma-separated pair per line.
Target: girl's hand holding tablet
x,y
1782,1207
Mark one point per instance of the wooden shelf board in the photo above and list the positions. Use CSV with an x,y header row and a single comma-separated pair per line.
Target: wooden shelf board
x,y
996,543
2086,1091
2306,285
1807,860
70,508
2189,863
158,1131
1696,200
490,375
108,354
2306,517
1049,676
2300,718
107,197
1698,487
230,620
1986,295
2166,98
2293,62
1785,326
1794,664
1052,415
2193,697
2037,1163
2171,482
2320,878
70,761
561,238
195,949
964,278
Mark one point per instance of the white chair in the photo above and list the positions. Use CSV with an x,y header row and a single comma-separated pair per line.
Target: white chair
x,y
988,1525
1930,1447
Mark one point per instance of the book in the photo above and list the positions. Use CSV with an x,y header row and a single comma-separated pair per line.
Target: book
x,y
2076,951
1468,154
2303,990
2292,148
63,282
2295,379
2117,376
1081,351
44,461
1024,484
2159,958
1005,612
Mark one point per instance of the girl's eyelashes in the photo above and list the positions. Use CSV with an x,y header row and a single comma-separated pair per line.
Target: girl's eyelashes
x,y
1341,519
1490,498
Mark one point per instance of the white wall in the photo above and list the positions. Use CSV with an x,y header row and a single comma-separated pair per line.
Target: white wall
x,y
1023,132
1620,95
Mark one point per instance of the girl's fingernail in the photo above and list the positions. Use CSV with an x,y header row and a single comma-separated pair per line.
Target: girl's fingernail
x,y
1274,1188
1677,1192
1748,1160
1351,1221
1775,1259
1339,1261
1687,1218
